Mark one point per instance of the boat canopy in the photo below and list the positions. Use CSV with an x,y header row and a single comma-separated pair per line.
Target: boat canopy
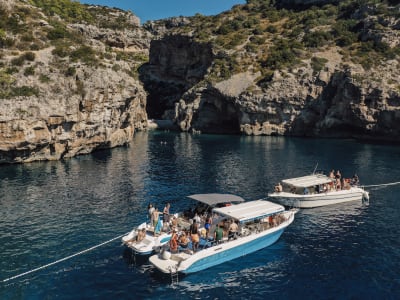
x,y
214,199
307,181
245,212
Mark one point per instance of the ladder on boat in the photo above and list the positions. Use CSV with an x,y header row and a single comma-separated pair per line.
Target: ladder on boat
x,y
174,274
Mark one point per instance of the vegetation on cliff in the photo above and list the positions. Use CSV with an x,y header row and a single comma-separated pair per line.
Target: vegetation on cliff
x,y
28,28
261,36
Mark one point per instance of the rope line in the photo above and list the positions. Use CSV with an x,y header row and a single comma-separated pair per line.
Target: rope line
x,y
63,259
383,184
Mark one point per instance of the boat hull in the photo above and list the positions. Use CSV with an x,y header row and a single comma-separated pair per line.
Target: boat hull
x,y
221,253
317,200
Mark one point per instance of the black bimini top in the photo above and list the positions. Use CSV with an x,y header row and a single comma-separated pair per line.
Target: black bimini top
x,y
214,199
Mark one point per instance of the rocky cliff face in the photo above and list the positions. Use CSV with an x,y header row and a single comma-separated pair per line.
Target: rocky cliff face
x,y
72,106
341,101
97,108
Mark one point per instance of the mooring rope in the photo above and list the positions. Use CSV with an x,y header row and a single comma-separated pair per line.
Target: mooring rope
x,y
63,259
383,184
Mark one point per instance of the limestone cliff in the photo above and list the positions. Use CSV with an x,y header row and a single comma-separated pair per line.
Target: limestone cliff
x,y
324,92
62,98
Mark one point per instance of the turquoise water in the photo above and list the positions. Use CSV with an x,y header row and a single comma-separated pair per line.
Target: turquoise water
x,y
50,210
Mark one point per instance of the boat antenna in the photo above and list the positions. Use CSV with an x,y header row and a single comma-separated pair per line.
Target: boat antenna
x,y
316,166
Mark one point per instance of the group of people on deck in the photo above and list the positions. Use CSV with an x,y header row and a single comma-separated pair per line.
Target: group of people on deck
x,y
339,183
155,220
200,225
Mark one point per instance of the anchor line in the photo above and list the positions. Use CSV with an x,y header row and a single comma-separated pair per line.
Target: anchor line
x,y
383,184
63,259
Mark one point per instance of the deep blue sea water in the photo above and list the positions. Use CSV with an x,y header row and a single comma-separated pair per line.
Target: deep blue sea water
x,y
50,210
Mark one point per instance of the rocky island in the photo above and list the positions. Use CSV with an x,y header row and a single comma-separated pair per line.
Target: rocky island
x,y
75,78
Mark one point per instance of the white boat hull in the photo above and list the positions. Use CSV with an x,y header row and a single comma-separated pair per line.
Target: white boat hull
x,y
218,254
149,244
320,199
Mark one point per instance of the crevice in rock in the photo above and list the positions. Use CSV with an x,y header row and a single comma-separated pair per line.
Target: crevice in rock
x,y
176,63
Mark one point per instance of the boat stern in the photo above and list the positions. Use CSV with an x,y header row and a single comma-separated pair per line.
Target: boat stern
x,y
167,262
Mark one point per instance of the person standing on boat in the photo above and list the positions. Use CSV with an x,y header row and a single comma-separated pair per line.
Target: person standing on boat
x,y
150,210
197,219
166,213
194,234
156,221
218,234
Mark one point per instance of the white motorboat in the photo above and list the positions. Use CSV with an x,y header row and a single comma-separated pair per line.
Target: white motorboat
x,y
154,242
315,190
260,223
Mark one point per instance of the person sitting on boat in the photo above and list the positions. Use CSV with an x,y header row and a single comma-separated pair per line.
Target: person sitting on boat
x,y
338,175
173,242
207,224
338,184
306,191
278,188
233,230
183,240
332,174
218,234
141,235
174,222
355,180
194,234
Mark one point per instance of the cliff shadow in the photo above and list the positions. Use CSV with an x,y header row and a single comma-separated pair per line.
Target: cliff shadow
x,y
176,63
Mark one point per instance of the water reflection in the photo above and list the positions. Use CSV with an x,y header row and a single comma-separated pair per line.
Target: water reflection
x,y
50,210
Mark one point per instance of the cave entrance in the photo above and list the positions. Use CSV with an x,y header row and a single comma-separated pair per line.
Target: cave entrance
x,y
211,119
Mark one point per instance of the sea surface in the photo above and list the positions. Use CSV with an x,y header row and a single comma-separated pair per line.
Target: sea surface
x,y
53,210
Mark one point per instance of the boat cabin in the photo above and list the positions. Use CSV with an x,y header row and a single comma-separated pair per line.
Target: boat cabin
x,y
311,184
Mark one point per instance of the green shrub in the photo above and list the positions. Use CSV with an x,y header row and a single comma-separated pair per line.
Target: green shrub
x,y
281,55
29,56
61,50
318,63
71,71
85,54
34,47
29,71
271,29
116,68
317,39
58,32
44,78
18,61
24,91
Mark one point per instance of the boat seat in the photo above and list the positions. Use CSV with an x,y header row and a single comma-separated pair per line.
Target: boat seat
x,y
180,256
